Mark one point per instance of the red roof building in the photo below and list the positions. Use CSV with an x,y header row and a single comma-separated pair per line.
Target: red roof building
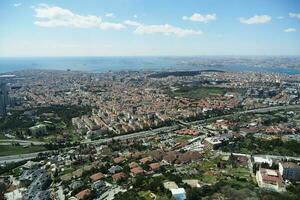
x,y
137,170
83,194
96,177
154,166
118,176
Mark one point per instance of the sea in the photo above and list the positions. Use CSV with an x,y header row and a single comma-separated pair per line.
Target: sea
x,y
104,64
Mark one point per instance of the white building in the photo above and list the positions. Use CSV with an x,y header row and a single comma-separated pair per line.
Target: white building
x,y
270,179
179,193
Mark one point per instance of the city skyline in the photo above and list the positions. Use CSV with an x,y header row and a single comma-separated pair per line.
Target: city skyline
x,y
142,28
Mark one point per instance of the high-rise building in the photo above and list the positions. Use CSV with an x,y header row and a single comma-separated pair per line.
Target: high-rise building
x,y
4,98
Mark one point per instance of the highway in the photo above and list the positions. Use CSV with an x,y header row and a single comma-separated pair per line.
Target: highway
x,y
141,134
20,157
21,142
174,127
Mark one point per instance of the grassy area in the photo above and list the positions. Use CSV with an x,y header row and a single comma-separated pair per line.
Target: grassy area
x,y
145,195
18,123
59,115
198,92
183,138
208,178
2,137
241,173
17,150
252,145
15,121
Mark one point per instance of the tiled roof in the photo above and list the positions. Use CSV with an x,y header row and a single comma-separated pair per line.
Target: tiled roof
x,y
83,194
97,176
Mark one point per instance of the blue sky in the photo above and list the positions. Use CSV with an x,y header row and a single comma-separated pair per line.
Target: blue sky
x,y
144,27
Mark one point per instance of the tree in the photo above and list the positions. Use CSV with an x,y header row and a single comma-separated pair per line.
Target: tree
x,y
128,195
173,177
2,190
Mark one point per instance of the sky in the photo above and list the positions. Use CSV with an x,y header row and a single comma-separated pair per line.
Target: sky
x,y
40,28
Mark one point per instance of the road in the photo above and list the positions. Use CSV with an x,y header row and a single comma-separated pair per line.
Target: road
x,y
21,142
174,127
146,133
17,158
134,135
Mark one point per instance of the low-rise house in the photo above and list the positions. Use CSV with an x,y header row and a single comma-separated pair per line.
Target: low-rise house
x,y
154,166
118,176
96,177
75,185
133,165
179,193
146,160
115,169
136,171
83,194
119,160
289,171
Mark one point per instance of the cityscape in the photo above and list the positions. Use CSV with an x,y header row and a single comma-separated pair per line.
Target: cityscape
x,y
79,122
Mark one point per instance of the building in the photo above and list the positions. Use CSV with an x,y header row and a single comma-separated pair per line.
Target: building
x,y
39,181
289,171
118,176
270,179
3,98
115,169
154,166
179,193
83,194
212,143
96,177
136,171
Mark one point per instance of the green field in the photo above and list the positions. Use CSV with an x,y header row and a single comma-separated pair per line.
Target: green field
x,y
198,92
16,150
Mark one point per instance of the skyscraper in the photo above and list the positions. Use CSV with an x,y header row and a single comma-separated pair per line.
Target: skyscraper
x,y
3,98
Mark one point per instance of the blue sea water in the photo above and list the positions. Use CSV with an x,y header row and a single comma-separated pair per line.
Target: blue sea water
x,y
103,64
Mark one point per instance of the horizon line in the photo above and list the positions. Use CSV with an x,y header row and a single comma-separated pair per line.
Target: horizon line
x,y
225,55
